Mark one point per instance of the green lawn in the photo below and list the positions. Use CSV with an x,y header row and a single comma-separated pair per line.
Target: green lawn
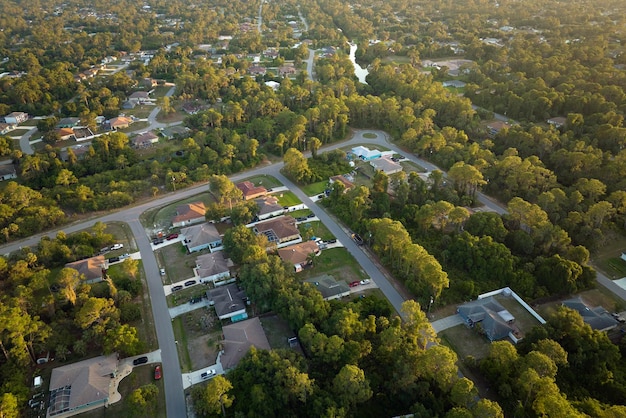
x,y
409,166
134,127
315,229
181,338
161,218
315,188
265,181
338,263
607,259
465,342
287,199
141,112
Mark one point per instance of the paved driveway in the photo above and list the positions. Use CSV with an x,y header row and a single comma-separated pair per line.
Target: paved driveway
x,y
187,307
447,322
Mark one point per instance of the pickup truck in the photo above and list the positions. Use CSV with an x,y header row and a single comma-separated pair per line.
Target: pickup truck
x,y
357,238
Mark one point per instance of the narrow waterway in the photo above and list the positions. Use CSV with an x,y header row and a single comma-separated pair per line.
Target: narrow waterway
x,y
359,71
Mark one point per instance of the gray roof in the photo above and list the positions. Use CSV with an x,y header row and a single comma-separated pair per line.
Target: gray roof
x,y
81,383
238,338
213,263
196,235
227,299
267,205
384,164
494,318
328,286
598,318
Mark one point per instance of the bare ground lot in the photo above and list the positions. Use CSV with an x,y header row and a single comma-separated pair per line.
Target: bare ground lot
x,y
465,342
198,333
178,264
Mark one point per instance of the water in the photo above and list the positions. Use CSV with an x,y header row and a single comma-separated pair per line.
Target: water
x,y
359,71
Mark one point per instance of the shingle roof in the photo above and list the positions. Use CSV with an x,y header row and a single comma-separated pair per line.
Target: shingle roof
x,y
298,253
249,190
227,299
328,286
598,318
196,235
281,227
211,264
91,268
189,211
491,314
238,338
267,205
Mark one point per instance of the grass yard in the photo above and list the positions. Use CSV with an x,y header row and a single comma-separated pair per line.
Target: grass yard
x,y
178,264
607,259
314,189
338,263
277,331
140,376
523,319
181,337
137,126
465,342
288,199
266,181
161,218
183,296
171,117
160,91
18,132
315,229
370,135
409,166
141,111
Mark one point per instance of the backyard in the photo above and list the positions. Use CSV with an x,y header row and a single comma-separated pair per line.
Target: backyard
x,y
198,334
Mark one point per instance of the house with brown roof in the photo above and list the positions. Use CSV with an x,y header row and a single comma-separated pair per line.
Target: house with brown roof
x,y
65,133
120,122
201,237
257,70
286,70
268,207
212,267
238,338
250,191
348,185
495,127
93,269
189,214
279,230
298,254
82,386
5,128
145,140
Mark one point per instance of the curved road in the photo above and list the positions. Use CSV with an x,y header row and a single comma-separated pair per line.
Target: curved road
x,y
172,376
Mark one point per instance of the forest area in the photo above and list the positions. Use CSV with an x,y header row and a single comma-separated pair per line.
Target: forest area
x,y
563,188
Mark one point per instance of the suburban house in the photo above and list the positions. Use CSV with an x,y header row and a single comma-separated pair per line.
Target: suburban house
x,y
286,70
597,318
298,254
145,140
15,118
250,191
386,165
238,338
329,287
5,128
65,133
173,131
68,123
268,207
93,268
200,237
495,127
139,97
365,153
189,214
7,172
257,70
348,185
558,122
82,386
229,302
191,107
494,320
120,122
212,267
278,230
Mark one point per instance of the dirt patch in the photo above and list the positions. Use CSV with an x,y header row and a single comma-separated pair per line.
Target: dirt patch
x,y
202,335
465,342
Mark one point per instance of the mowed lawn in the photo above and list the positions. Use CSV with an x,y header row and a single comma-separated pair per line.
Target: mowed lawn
x,y
162,217
465,342
287,199
314,189
338,263
266,181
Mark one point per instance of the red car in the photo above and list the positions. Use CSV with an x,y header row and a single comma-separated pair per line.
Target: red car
x,y
172,236
157,373
355,283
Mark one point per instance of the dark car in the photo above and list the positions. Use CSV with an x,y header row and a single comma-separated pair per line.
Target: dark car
x,y
114,259
332,241
140,360
157,241
321,196
301,219
172,236
176,288
195,300
311,215
190,282
357,238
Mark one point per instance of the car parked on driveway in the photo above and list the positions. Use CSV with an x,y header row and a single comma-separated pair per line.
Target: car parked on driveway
x,y
140,360
176,288
114,259
190,283
172,236
117,247
366,281
209,373
355,283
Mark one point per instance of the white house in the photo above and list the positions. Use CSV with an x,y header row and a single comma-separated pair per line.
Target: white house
x,y
212,267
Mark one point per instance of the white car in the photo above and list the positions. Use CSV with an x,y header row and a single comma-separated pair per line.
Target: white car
x,y
162,272
117,247
366,281
209,373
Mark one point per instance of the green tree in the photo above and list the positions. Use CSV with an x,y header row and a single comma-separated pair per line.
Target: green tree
x,y
8,406
297,166
213,399
351,386
142,401
123,339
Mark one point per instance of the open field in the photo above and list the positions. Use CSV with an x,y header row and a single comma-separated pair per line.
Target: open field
x,y
409,166
266,181
314,189
316,229
202,331
465,342
607,259
338,263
